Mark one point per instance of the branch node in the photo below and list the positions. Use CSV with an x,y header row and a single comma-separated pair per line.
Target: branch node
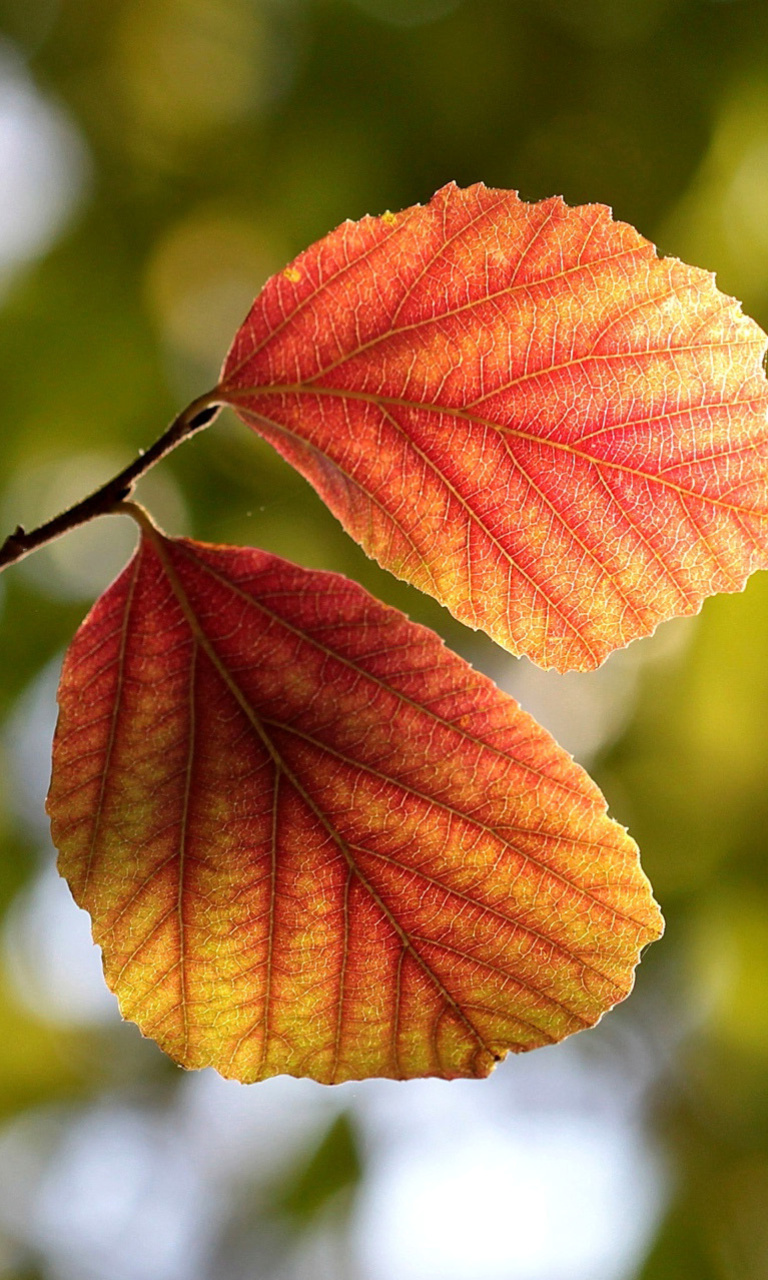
x,y
202,418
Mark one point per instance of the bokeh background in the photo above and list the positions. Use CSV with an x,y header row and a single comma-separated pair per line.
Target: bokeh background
x,y
158,160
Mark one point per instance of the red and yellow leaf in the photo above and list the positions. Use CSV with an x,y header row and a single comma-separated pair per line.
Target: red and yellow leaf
x,y
521,409
314,841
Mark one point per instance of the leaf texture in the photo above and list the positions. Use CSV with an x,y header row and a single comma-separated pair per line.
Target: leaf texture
x,y
314,841
521,409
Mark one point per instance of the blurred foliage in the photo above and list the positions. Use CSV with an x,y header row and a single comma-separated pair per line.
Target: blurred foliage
x,y
326,1180
198,144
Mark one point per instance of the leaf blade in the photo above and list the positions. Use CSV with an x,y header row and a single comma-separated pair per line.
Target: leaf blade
x,y
314,841
522,410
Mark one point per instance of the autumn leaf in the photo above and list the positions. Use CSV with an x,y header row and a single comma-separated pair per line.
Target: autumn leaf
x,y
314,841
521,409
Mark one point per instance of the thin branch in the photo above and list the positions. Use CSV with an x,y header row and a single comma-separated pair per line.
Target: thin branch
x,y
199,414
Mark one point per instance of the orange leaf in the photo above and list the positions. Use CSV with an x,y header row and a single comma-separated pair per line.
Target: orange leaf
x,y
522,410
314,841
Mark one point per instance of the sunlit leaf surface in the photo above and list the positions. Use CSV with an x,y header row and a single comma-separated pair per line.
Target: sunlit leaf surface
x,y
521,409
314,841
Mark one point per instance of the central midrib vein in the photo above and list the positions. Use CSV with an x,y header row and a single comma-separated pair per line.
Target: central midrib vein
x,y
157,542
235,395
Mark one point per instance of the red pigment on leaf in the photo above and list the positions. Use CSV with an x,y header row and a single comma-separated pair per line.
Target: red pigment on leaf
x,y
521,409
314,841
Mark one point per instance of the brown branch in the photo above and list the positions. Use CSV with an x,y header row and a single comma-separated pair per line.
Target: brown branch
x,y
197,415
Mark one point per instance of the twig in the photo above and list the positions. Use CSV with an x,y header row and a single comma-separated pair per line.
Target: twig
x,y
200,413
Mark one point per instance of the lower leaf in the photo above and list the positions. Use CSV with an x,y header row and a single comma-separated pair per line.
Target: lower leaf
x,y
312,840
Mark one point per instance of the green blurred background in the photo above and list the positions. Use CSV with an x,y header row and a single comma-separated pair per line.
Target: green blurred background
x,y
158,160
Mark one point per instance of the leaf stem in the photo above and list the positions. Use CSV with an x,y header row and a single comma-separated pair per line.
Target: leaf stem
x,y
139,514
197,415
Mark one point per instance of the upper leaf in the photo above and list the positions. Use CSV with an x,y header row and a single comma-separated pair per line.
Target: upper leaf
x,y
314,841
521,409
